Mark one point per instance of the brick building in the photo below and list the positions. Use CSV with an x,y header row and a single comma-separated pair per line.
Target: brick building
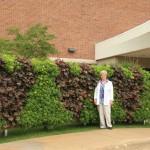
x,y
78,24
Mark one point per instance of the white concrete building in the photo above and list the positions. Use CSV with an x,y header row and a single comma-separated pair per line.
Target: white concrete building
x,y
132,45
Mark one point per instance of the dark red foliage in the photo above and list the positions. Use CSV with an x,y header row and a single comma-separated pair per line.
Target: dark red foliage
x,y
128,91
13,91
75,89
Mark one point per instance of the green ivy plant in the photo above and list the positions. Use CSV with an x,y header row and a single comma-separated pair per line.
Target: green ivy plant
x,y
118,113
146,79
97,69
75,69
89,113
11,63
127,73
143,112
45,67
44,107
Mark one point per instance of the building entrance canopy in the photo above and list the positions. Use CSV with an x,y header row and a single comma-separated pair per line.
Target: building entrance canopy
x,y
134,43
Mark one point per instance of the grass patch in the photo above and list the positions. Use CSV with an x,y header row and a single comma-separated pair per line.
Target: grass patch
x,y
22,133
16,134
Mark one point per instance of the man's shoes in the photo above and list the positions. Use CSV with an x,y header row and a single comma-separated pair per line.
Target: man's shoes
x,y
110,128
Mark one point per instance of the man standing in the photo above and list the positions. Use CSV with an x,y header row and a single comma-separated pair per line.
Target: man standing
x,y
103,98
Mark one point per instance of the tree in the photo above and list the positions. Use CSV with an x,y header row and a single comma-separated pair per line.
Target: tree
x,y
34,42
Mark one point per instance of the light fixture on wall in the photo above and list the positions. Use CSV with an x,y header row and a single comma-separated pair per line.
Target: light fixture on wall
x,y
71,50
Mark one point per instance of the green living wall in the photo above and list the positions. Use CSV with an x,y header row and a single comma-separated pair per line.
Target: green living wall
x,y
29,94
44,93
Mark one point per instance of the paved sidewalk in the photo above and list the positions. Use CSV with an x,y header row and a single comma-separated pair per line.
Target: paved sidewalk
x,y
116,139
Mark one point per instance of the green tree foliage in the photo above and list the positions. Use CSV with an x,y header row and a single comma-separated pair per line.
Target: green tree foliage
x,y
34,42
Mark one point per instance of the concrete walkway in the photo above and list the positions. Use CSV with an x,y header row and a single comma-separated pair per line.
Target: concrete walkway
x,y
116,139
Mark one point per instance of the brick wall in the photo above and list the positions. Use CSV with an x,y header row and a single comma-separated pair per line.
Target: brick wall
x,y
76,23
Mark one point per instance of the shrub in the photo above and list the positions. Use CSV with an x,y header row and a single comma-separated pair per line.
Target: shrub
x,y
47,93
75,69
143,112
99,68
44,107
75,89
11,64
128,91
13,89
118,113
146,80
89,113
2,122
127,73
45,67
